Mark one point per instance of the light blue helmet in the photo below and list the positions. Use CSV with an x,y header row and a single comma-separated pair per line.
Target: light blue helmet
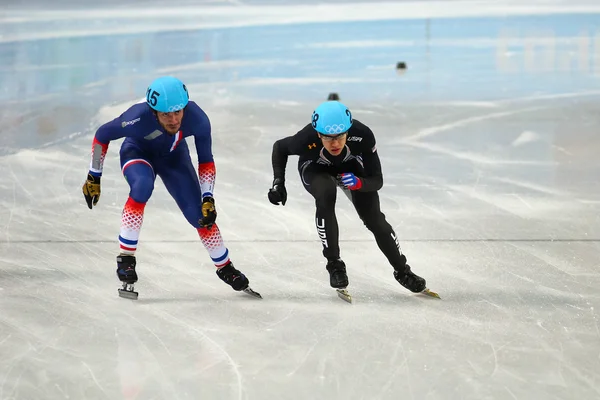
x,y
167,94
331,118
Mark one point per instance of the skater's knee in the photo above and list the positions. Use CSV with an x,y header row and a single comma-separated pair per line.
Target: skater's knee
x,y
193,215
325,203
141,190
375,222
324,191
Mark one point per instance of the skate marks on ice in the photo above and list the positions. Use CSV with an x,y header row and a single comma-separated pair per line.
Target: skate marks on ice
x,y
171,354
209,341
56,320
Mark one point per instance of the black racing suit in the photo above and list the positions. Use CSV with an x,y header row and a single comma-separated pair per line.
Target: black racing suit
x,y
318,171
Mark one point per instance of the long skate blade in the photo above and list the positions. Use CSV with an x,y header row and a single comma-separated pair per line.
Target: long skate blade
x,y
429,293
127,291
252,293
128,294
344,295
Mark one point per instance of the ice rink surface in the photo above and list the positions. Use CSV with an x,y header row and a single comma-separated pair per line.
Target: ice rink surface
x,y
489,144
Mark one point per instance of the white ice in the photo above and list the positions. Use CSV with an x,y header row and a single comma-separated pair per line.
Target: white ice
x,y
489,144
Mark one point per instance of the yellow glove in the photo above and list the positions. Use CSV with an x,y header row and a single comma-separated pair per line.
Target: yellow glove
x,y
91,190
209,214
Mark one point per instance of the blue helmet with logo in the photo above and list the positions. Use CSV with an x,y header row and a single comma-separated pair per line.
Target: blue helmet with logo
x,y
331,118
167,94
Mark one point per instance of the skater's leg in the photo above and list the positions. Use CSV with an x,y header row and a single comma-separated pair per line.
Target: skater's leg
x,y
368,208
139,174
182,183
140,177
322,186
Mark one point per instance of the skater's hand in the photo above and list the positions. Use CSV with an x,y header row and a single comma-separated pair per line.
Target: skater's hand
x,y
91,190
278,193
209,213
351,181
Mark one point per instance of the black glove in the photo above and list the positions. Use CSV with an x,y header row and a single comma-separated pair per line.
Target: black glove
x,y
278,193
91,190
209,214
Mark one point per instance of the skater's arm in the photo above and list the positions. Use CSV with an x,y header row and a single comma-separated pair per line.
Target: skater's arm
x,y
115,129
279,158
373,178
109,131
207,171
282,149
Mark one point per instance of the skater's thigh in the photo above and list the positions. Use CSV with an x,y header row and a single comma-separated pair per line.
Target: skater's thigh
x,y
367,204
138,172
180,179
317,180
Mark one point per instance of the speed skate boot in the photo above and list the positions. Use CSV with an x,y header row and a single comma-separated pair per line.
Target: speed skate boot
x,y
126,268
233,277
127,275
338,279
410,280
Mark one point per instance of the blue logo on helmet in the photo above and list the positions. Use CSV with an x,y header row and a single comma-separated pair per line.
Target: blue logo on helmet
x,y
331,118
167,94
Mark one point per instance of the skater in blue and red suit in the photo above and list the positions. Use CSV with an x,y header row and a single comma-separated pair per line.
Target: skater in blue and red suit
x,y
155,145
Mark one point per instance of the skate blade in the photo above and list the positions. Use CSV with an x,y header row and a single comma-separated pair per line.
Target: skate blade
x,y
344,295
127,292
429,293
252,293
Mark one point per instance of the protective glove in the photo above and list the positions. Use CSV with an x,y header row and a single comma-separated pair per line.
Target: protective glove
x,y
350,181
209,213
278,193
91,190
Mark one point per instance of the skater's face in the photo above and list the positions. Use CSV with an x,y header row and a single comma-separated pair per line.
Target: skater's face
x,y
334,144
170,121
